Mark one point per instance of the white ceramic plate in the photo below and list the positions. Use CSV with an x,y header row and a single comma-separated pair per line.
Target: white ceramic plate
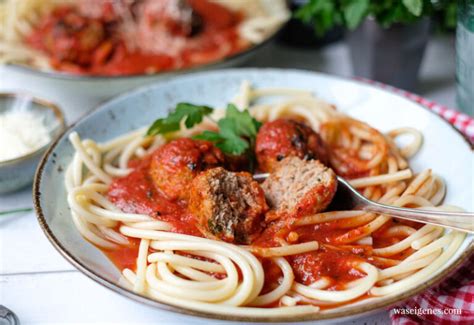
x,y
444,150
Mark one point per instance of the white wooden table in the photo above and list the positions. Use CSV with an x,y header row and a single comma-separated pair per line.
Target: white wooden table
x,y
41,287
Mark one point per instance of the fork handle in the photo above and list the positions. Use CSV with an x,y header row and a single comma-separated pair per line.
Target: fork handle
x,y
462,221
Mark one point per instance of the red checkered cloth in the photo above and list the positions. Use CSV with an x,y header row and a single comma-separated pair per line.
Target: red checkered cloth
x,y
440,305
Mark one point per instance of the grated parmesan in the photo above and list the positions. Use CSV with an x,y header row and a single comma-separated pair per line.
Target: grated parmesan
x,y
21,133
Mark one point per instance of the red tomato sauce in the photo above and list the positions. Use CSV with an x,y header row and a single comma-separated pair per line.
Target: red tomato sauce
x,y
136,193
81,44
336,265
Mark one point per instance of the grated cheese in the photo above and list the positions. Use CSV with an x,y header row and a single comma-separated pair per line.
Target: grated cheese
x,y
21,133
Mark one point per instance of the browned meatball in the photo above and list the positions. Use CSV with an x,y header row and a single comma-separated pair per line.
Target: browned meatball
x,y
227,205
298,188
175,164
285,138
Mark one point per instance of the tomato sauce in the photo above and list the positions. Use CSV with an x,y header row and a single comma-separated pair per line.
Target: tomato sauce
x,y
136,193
95,45
336,265
334,260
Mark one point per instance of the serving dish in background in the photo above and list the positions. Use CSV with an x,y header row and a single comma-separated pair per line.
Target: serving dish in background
x,y
96,87
379,108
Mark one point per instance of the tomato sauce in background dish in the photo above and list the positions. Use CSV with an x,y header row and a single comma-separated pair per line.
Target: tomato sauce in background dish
x,y
97,43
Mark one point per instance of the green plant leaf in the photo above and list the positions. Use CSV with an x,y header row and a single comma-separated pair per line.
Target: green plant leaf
x,y
354,12
414,6
192,115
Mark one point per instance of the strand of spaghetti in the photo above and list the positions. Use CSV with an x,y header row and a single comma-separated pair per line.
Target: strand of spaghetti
x,y
399,230
430,248
420,242
118,216
365,241
381,179
421,275
76,142
129,150
217,295
387,262
185,261
151,225
216,290
413,147
243,98
262,92
229,310
113,236
283,287
328,216
284,250
191,294
392,193
258,274
193,274
77,170
78,204
403,244
417,182
95,214
343,295
251,268
412,200
440,193
86,232
363,231
92,151
168,276
407,267
139,285
116,171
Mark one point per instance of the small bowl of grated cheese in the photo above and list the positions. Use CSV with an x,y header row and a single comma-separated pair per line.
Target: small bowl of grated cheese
x,y
27,127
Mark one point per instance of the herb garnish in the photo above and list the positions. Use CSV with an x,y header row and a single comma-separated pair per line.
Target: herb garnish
x,y
237,130
193,114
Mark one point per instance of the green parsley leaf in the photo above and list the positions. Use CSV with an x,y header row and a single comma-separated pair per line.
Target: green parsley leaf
x,y
227,142
237,131
246,125
192,115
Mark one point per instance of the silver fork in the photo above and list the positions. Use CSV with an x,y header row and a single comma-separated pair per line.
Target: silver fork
x,y
347,198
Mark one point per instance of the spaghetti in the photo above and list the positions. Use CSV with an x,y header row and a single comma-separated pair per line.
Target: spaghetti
x,y
317,262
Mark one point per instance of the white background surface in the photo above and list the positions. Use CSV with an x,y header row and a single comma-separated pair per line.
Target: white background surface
x,y
41,287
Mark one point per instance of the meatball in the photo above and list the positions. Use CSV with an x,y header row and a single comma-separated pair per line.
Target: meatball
x,y
284,138
298,188
70,37
227,205
175,164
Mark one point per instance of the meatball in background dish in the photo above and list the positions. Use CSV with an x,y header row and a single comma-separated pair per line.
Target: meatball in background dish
x,y
299,188
283,138
177,163
228,206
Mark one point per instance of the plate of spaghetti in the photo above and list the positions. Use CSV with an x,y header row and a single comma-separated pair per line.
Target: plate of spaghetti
x,y
127,38
155,196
